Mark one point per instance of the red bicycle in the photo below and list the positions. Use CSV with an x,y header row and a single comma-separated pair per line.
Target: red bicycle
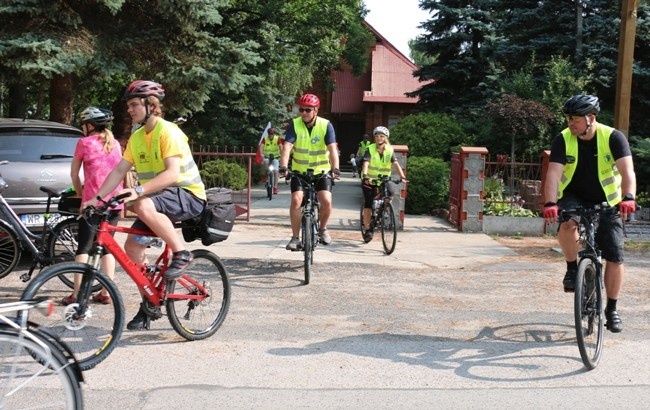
x,y
196,304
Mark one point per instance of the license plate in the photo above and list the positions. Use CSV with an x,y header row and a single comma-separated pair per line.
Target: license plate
x,y
35,219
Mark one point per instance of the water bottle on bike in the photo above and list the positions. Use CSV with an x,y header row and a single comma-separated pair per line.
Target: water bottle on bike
x,y
150,241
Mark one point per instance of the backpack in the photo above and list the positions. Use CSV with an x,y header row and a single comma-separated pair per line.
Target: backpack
x,y
216,221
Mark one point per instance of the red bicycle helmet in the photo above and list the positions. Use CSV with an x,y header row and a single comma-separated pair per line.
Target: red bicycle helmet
x,y
309,100
143,89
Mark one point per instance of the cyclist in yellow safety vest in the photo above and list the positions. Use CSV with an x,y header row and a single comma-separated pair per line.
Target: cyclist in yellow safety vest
x,y
271,146
170,187
363,145
378,160
313,141
591,163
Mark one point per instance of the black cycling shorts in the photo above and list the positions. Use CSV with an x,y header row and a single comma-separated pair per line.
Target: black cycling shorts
x,y
610,235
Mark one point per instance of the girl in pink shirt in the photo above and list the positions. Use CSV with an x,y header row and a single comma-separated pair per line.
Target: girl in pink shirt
x,y
99,153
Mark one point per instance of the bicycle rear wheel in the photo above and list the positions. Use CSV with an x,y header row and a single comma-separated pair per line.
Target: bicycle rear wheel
x,y
388,227
9,251
62,242
307,231
37,372
198,302
91,334
588,311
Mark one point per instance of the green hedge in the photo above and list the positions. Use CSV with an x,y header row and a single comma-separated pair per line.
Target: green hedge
x,y
224,173
428,186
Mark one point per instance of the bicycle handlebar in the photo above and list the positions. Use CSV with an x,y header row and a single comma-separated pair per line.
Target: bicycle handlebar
x,y
106,205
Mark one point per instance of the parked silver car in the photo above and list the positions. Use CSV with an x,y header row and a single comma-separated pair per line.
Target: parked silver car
x,y
38,154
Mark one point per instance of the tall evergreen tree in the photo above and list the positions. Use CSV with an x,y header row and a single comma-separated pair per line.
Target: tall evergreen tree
x,y
460,37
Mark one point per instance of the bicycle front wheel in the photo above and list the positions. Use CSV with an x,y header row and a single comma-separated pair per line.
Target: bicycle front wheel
x,y
307,231
361,217
37,373
198,302
388,227
62,246
588,310
270,183
9,251
91,330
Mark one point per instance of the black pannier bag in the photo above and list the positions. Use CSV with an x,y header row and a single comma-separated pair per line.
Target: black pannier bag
x,y
69,203
216,221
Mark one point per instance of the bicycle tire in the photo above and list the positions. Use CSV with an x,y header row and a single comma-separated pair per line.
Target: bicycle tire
x,y
361,217
93,337
307,231
588,312
199,319
10,250
388,227
270,183
62,243
40,369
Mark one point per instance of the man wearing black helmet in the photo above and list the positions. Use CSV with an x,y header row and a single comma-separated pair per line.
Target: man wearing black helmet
x,y
170,187
591,163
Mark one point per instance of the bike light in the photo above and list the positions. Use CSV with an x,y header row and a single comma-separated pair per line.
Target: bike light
x,y
46,307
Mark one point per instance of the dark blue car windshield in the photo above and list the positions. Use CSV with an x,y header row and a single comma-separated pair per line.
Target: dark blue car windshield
x,y
35,148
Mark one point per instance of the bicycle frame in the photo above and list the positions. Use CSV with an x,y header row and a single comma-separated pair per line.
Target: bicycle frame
x,y
153,289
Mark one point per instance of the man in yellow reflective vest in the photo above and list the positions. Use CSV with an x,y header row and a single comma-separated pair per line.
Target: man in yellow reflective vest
x,y
313,142
170,187
591,163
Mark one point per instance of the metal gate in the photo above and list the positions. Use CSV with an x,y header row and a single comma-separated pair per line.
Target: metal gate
x,y
455,189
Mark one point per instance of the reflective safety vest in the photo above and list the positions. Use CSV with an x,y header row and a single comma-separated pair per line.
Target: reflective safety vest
x,y
379,165
363,147
149,161
608,175
271,147
310,151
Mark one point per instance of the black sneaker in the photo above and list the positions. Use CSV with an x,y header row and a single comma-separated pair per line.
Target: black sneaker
x,y
614,322
569,281
180,261
139,321
367,236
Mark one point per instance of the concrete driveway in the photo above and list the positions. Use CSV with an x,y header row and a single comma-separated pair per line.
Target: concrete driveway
x,y
450,320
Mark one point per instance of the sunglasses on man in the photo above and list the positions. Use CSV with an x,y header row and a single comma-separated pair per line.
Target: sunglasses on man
x,y
307,110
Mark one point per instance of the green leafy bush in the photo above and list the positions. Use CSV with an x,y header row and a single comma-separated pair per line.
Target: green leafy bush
x,y
224,173
428,186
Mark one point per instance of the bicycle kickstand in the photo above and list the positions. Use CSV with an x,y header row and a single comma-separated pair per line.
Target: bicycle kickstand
x,y
25,277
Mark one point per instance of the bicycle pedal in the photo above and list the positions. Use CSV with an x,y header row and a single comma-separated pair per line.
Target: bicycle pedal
x,y
25,277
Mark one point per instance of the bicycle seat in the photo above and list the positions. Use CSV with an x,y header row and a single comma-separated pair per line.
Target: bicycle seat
x,y
51,192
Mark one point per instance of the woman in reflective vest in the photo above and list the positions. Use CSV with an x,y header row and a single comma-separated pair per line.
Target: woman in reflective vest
x,y
379,160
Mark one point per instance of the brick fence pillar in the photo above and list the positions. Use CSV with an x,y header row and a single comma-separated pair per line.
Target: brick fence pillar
x,y
473,174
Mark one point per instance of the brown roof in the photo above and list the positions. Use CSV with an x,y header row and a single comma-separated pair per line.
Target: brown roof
x,y
390,77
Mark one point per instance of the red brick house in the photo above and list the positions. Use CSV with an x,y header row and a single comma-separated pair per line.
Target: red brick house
x,y
358,104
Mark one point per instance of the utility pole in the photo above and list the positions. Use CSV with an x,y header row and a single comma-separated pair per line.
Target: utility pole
x,y
625,61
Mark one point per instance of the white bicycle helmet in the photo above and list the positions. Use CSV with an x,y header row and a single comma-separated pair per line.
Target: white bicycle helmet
x,y
381,130
99,117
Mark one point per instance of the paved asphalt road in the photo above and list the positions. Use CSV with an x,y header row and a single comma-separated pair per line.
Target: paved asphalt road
x,y
450,320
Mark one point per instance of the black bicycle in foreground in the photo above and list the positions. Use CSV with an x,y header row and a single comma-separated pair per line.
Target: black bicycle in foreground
x,y
309,224
589,304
